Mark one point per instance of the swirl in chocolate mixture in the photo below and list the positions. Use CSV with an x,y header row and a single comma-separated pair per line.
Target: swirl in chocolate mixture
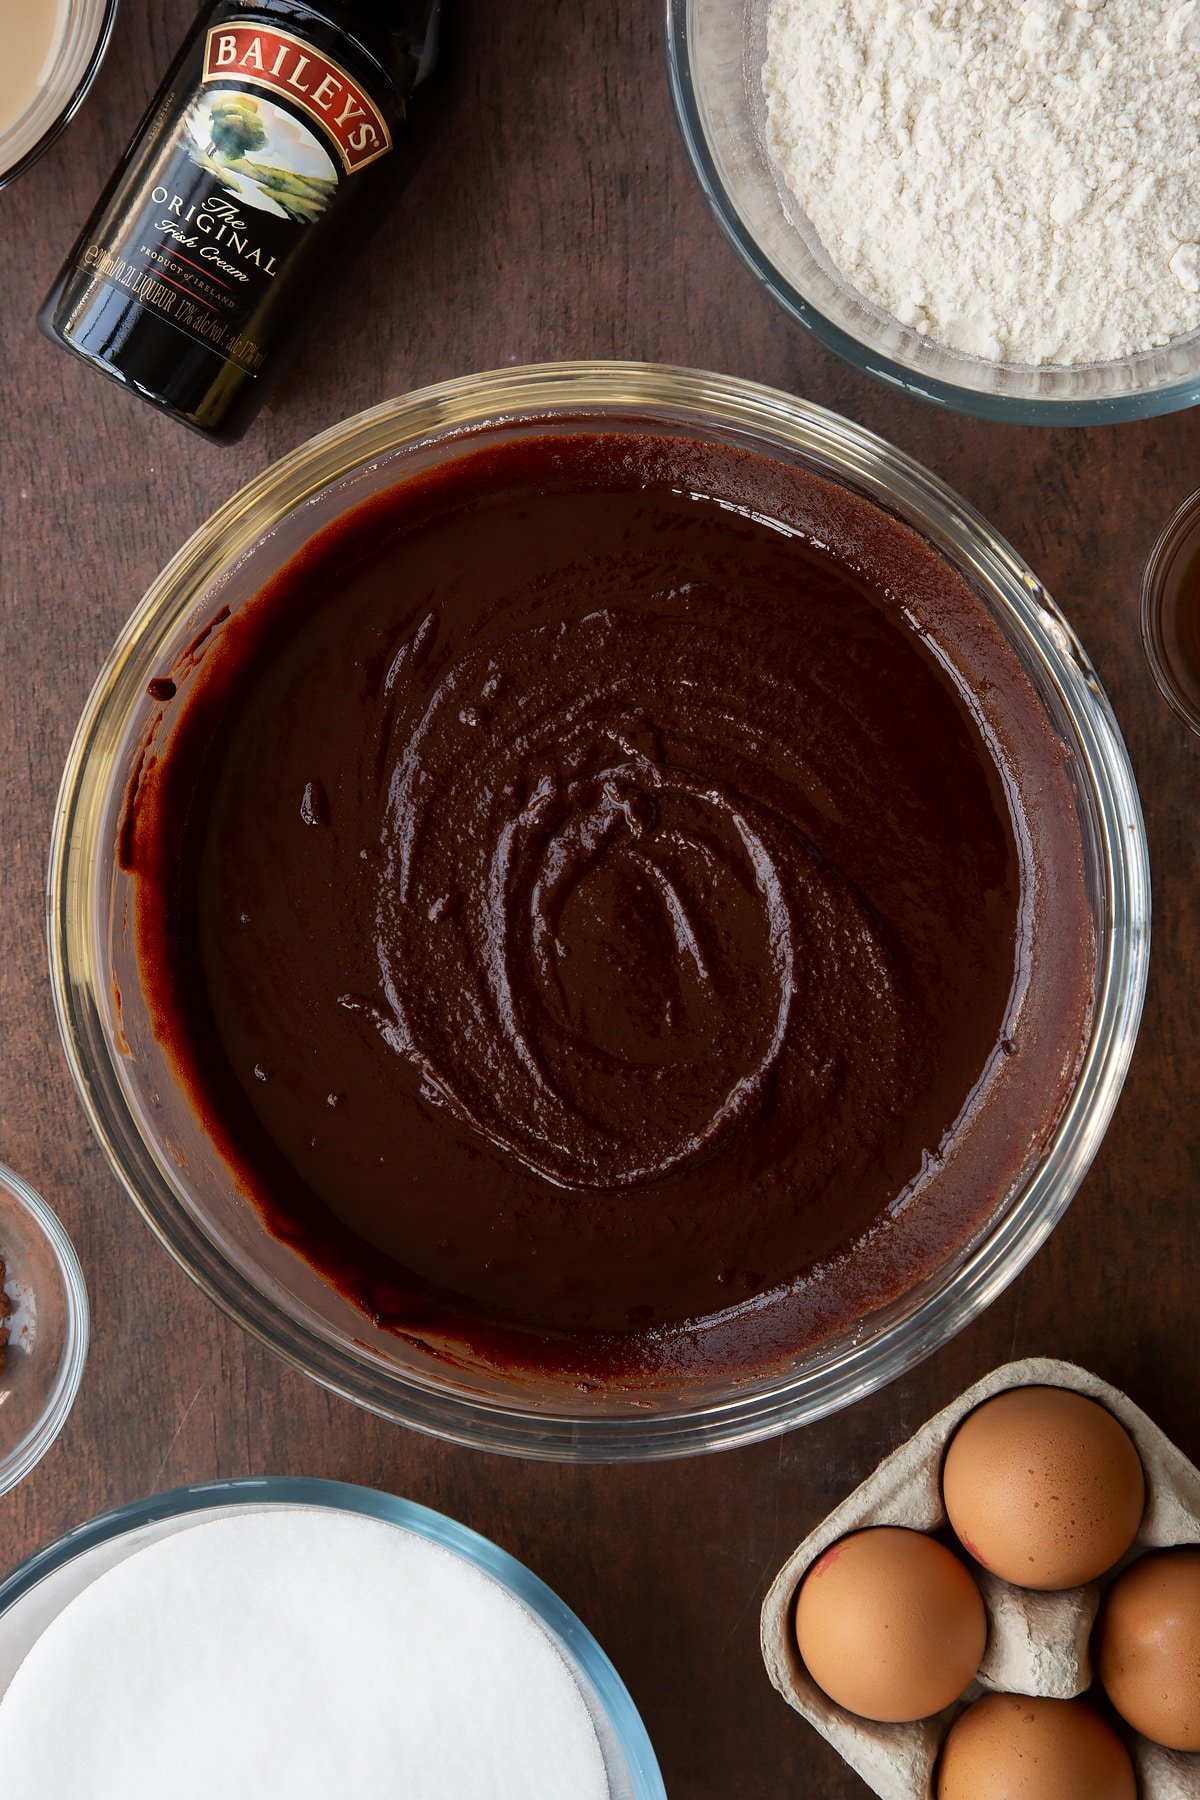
x,y
621,909
582,894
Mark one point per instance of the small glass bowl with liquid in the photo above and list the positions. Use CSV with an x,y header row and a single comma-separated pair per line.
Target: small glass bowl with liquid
x,y
52,52
1171,612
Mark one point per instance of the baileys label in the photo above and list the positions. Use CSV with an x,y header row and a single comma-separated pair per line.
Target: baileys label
x,y
266,58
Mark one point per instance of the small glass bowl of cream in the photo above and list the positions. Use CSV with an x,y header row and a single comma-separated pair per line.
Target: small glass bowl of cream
x,y
45,1324
52,52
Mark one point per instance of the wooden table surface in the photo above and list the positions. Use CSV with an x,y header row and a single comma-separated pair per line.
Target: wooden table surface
x,y
556,216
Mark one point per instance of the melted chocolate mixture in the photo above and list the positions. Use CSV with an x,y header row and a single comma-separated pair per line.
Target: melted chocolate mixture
x,y
580,901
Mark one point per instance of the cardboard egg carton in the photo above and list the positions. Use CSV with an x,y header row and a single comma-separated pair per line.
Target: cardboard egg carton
x,y
1037,1642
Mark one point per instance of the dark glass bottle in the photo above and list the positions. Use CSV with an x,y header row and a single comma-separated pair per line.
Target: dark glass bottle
x,y
263,161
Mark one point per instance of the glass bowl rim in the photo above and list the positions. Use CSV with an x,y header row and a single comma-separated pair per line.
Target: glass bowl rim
x,y
1173,396
608,389
1184,523
58,124
25,1455
373,1503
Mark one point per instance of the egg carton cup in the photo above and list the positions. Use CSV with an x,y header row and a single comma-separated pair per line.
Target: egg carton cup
x,y
1037,1642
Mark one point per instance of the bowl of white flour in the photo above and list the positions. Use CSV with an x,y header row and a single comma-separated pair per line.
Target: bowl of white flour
x,y
994,204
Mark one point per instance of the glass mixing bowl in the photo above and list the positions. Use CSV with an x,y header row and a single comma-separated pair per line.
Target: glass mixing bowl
x,y
715,54
33,1595
159,1150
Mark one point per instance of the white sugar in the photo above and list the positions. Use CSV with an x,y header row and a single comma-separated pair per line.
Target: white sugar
x,y
292,1652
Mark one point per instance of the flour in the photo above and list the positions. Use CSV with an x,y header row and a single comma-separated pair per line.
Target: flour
x,y
1018,179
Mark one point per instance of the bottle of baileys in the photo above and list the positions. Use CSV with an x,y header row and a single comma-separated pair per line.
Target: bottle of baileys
x,y
266,153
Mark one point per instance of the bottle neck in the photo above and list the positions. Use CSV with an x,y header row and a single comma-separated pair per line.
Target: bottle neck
x,y
400,35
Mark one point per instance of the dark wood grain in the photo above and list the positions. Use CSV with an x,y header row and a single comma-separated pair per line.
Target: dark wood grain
x,y
555,216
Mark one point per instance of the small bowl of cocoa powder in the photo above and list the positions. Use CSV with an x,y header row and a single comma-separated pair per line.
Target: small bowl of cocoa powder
x,y
43,1328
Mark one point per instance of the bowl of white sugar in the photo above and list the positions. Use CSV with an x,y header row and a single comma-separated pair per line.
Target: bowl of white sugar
x,y
52,53
994,204
269,1638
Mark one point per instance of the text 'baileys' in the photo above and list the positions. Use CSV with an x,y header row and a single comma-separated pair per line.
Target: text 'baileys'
x,y
272,137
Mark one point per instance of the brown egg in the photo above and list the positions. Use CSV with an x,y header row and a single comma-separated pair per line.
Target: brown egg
x,y
1009,1747
1148,1647
890,1624
1043,1487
